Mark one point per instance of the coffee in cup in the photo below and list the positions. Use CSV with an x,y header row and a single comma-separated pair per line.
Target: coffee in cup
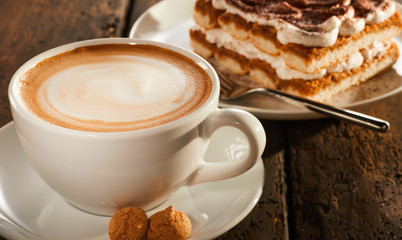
x,y
114,87
111,123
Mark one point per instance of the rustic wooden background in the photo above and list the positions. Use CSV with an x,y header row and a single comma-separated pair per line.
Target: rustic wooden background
x,y
325,179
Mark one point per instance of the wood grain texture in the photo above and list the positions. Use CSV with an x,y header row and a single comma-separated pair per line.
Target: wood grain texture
x,y
345,181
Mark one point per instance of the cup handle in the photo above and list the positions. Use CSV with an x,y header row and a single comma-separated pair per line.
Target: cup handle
x,y
252,129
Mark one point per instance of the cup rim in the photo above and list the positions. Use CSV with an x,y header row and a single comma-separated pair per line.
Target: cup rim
x,y
194,117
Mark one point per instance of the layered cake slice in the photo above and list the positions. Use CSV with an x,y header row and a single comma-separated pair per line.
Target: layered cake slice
x,y
311,48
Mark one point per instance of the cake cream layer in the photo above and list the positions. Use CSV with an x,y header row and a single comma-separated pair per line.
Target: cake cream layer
x,y
296,56
247,49
263,74
310,22
323,88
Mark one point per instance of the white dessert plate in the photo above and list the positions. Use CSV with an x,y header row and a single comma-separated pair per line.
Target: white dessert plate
x,y
29,209
170,20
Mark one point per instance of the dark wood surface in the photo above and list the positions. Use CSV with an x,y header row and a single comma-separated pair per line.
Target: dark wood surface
x,y
325,179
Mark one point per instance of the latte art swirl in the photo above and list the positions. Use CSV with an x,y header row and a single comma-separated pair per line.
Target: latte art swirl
x,y
116,91
115,88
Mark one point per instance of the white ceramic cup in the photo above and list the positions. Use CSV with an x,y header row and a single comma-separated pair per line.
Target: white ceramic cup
x,y
103,172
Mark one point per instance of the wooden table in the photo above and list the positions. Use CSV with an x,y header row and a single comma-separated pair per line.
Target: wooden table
x,y
325,179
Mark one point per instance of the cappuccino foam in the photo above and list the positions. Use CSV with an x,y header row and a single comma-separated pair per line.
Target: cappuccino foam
x,y
115,87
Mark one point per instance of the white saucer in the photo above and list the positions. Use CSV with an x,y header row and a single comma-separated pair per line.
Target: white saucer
x,y
169,21
30,210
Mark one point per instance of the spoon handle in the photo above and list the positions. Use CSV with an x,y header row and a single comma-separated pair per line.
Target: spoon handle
x,y
339,113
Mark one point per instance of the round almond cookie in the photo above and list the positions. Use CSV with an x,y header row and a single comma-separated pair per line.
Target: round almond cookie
x,y
129,223
169,224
